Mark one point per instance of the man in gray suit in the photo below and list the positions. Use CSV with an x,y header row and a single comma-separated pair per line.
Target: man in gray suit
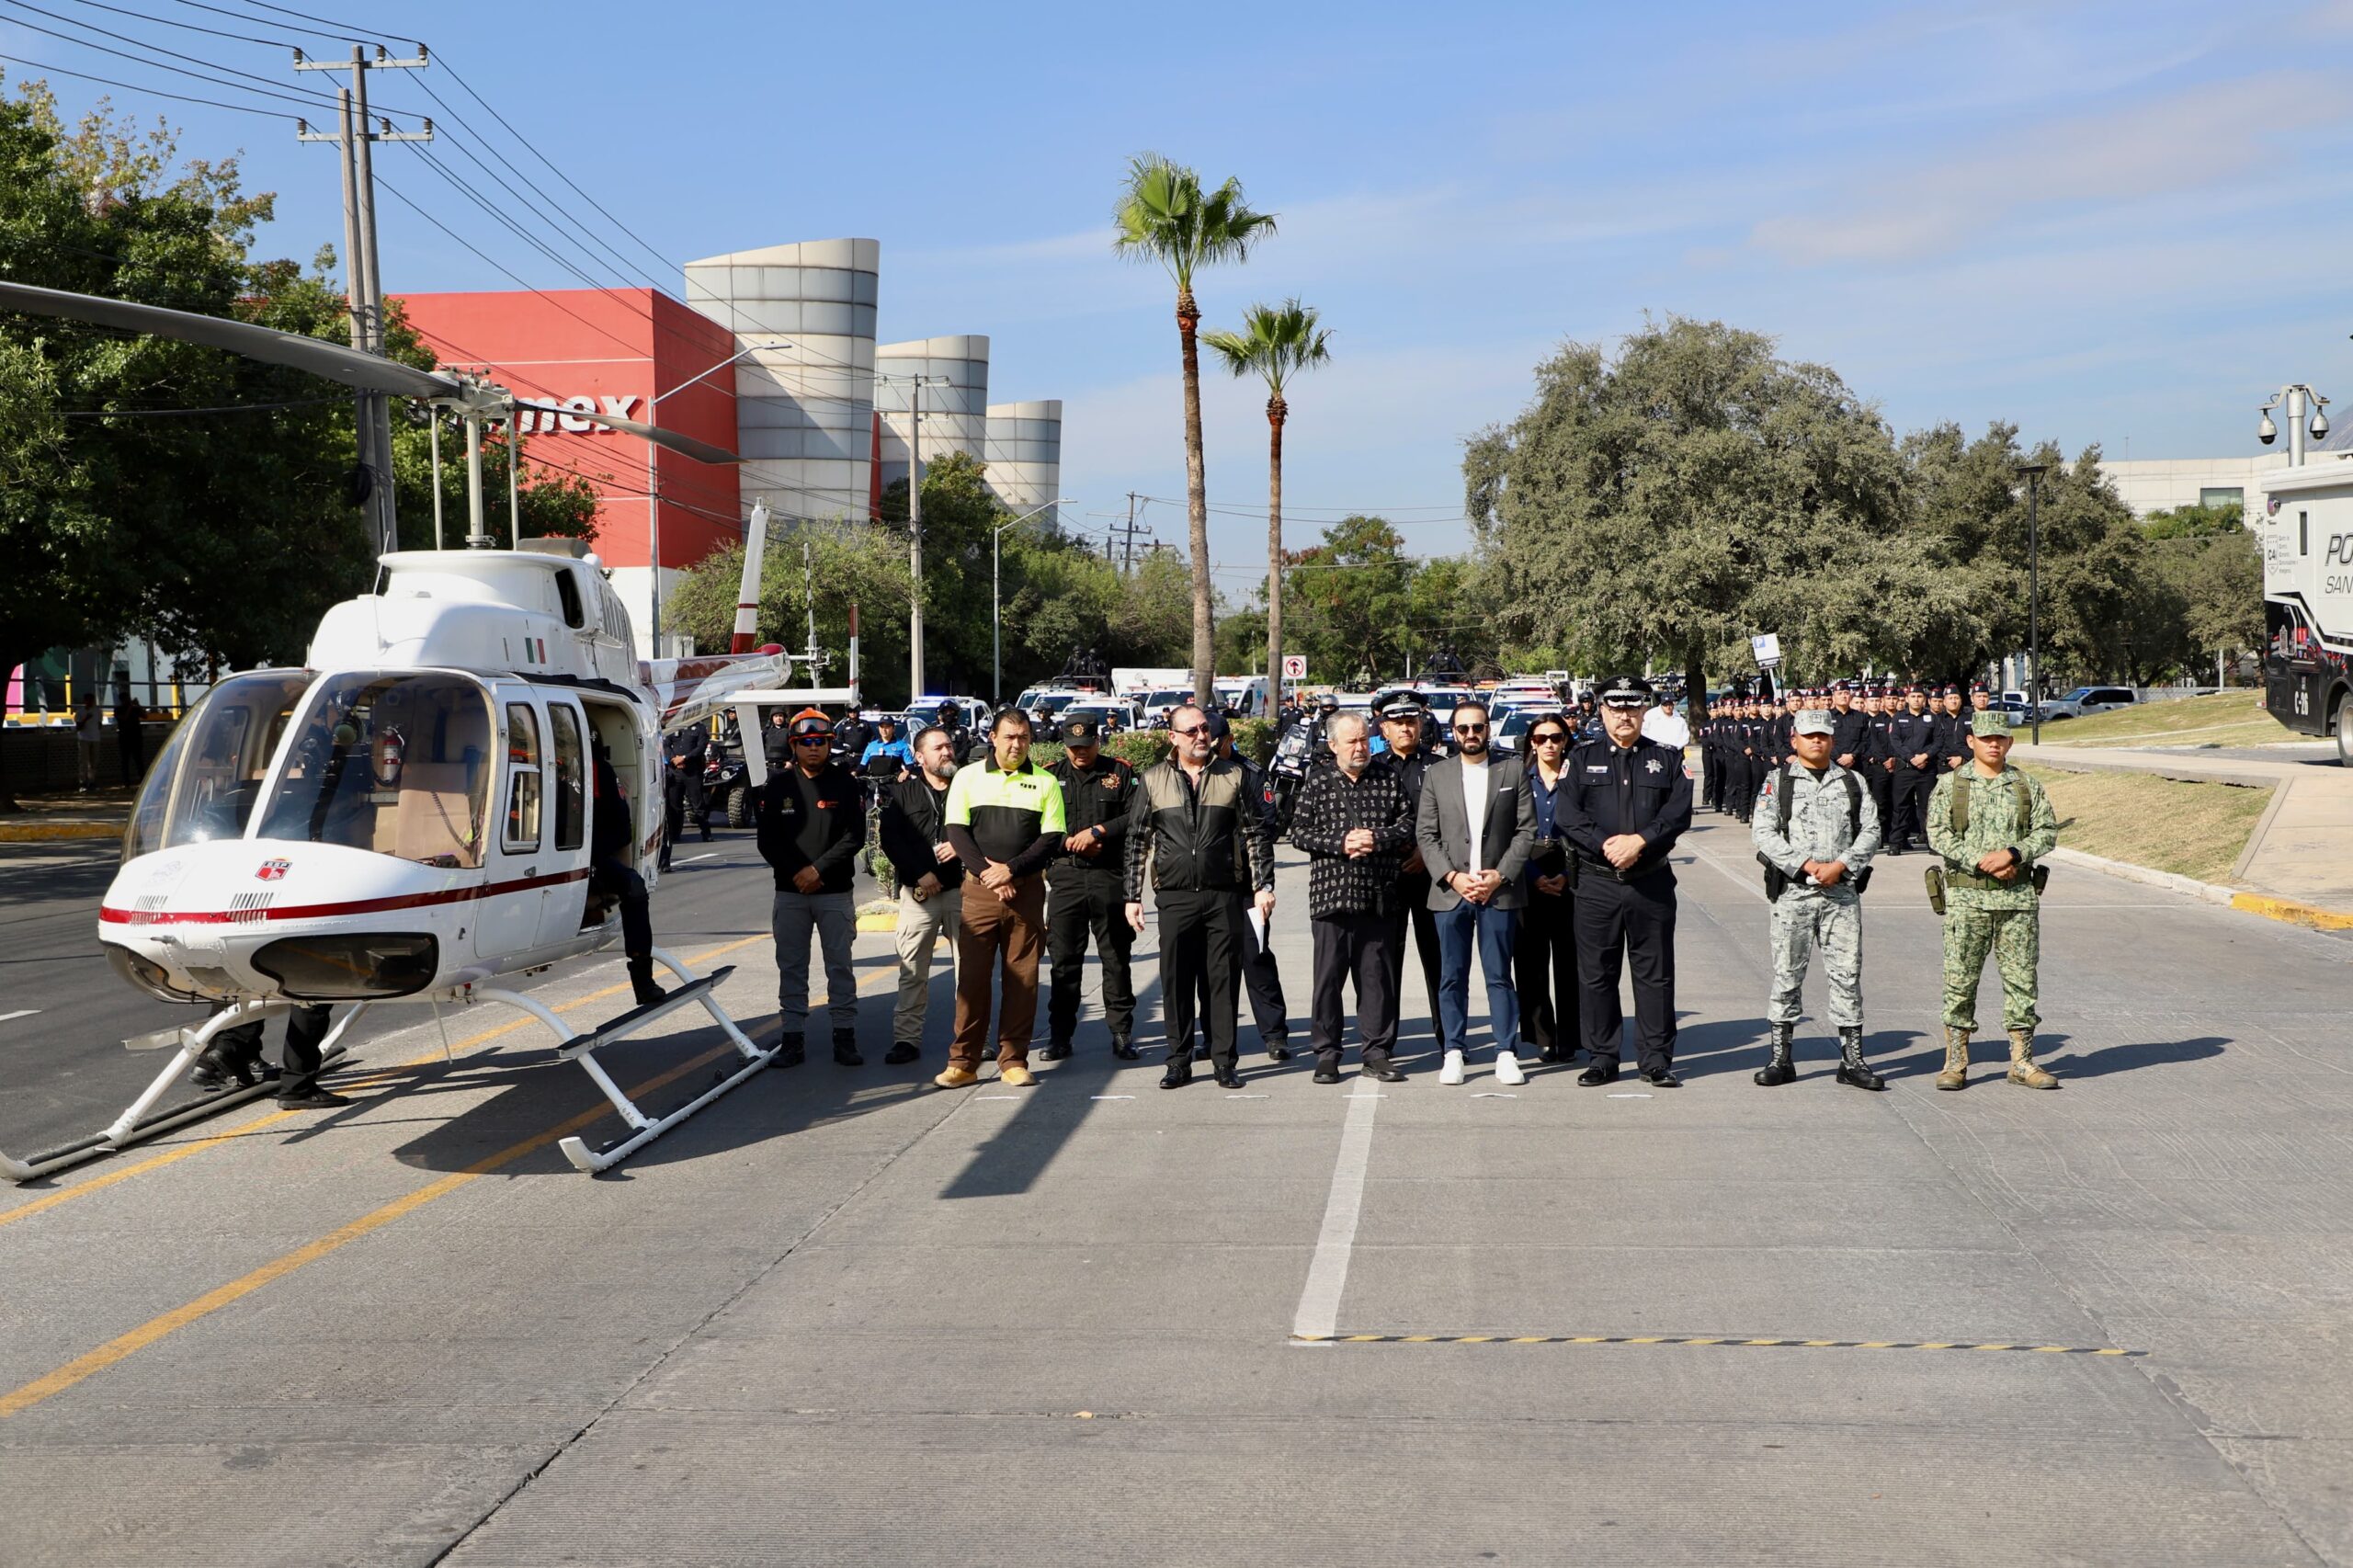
x,y
1475,826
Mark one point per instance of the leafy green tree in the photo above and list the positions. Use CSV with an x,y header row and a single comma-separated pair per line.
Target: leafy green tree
x,y
1676,500
1276,343
826,566
131,504
1164,215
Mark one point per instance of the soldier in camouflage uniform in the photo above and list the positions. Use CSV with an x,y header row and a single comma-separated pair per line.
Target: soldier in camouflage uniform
x,y
1817,827
1990,841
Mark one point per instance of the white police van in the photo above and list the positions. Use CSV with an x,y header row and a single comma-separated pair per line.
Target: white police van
x,y
2308,599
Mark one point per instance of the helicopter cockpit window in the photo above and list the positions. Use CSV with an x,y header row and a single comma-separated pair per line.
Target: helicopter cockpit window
x,y
208,779
394,764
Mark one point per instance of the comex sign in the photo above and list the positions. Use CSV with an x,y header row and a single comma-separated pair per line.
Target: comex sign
x,y
582,420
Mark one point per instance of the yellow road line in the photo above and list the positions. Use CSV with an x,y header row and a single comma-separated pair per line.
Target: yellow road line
x,y
97,1182
1703,1340
157,1328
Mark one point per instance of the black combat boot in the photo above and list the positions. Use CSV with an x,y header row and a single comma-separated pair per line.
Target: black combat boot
x,y
788,1052
1851,1069
1780,1069
846,1051
641,980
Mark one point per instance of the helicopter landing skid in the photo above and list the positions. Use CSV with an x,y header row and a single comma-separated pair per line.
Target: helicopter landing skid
x,y
583,1048
141,1122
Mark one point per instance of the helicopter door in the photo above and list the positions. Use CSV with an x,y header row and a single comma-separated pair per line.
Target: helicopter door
x,y
565,779
509,919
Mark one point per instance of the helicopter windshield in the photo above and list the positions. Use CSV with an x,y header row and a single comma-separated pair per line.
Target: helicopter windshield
x,y
393,764
208,778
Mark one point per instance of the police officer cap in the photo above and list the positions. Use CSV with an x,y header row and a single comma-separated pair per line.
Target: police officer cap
x,y
1626,691
1402,708
1813,722
1842,685
1081,732
1215,727
1991,722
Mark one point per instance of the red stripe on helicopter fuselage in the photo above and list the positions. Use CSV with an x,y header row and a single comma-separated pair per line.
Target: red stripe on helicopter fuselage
x,y
110,915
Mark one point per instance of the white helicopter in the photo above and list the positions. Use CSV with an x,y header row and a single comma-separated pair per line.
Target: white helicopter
x,y
407,816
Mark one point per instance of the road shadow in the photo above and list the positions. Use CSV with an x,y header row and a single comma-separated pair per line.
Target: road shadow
x,y
534,1093
2133,1056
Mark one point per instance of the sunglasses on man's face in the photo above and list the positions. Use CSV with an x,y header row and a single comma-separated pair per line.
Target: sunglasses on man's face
x,y
1470,729
1194,729
813,740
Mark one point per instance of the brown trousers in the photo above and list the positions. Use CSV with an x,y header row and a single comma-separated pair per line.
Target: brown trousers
x,y
994,935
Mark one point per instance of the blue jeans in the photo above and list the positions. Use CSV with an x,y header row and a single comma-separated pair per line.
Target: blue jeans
x,y
1496,931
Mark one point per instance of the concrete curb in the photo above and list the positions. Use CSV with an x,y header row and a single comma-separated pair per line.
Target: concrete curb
x,y
2172,882
2290,911
48,831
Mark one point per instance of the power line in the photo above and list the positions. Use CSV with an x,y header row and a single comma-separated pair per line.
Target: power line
x,y
191,26
303,16
533,147
309,97
152,92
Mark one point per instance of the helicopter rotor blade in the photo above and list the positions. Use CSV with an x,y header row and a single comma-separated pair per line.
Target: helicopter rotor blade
x,y
333,361
701,451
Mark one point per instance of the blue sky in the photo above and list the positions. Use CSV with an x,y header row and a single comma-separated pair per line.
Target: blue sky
x,y
2110,222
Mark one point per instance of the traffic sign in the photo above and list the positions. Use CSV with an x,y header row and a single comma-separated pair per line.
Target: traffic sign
x,y
1294,666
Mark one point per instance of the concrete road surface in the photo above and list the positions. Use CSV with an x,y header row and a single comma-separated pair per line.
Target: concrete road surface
x,y
844,1318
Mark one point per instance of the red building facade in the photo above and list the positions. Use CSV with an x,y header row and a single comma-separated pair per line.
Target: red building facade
x,y
634,352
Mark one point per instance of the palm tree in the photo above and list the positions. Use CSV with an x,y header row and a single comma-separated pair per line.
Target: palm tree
x,y
1163,215
1276,343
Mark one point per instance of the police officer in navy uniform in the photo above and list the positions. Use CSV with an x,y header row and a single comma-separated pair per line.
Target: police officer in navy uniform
x,y
1878,765
1410,757
1850,729
1623,802
1915,738
683,756
1711,762
1086,889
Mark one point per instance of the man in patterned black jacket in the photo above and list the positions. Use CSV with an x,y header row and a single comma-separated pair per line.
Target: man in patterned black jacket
x,y
1356,822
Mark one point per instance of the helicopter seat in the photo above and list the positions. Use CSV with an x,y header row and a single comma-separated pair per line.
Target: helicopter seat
x,y
433,817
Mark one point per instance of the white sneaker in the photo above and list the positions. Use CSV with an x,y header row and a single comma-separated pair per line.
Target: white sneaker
x,y
1453,1072
1507,1069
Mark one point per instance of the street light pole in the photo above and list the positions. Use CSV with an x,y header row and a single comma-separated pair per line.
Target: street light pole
x,y
653,503
2033,472
996,612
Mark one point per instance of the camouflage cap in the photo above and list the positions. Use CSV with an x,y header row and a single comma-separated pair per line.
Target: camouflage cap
x,y
1990,722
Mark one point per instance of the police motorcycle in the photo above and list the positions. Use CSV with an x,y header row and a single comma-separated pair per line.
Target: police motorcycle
x,y
405,818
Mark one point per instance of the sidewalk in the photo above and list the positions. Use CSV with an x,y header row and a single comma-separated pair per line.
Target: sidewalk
x,y
2302,849
46,817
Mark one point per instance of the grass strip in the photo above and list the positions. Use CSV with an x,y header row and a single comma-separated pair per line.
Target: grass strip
x,y
2192,829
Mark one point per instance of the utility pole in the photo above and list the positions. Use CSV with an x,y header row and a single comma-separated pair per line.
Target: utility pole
x,y
914,525
914,538
1126,533
363,280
